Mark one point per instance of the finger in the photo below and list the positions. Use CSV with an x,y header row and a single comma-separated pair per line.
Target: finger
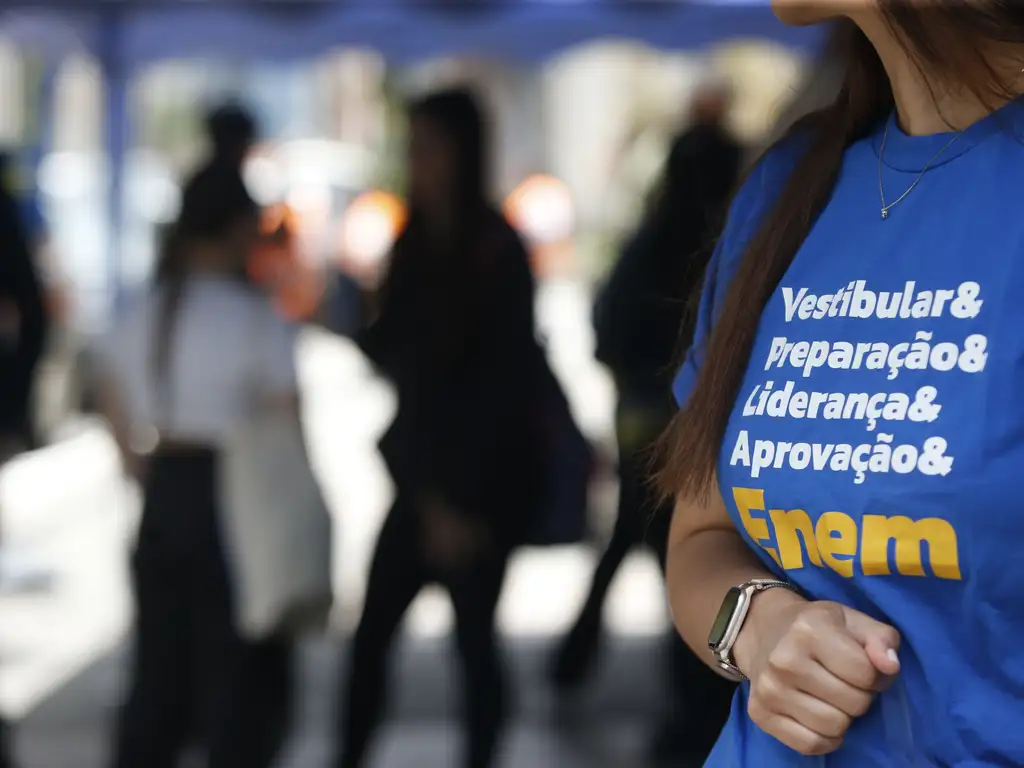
x,y
880,641
799,737
820,684
838,652
813,679
821,636
821,717
884,683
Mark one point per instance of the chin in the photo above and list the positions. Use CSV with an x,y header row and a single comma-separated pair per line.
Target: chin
x,y
803,13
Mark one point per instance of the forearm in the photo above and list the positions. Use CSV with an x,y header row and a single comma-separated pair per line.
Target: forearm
x,y
702,568
111,406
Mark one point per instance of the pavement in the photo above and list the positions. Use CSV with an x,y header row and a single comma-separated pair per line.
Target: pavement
x,y
62,649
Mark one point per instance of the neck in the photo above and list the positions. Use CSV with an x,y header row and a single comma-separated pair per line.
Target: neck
x,y
206,260
924,106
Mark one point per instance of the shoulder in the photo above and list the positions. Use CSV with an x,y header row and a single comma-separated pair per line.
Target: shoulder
x,y
502,247
767,178
260,308
500,235
755,198
234,301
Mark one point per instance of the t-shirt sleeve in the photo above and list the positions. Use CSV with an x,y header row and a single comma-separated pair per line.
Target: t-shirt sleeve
x,y
745,216
687,375
277,371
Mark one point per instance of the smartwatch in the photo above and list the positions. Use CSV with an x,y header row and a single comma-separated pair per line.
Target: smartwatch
x,y
730,619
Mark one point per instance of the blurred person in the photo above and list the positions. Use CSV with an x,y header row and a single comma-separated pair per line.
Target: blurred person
x,y
23,320
637,320
180,368
22,334
30,213
454,332
48,406
232,132
870,606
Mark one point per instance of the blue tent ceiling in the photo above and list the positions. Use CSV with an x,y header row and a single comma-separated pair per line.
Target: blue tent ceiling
x,y
139,32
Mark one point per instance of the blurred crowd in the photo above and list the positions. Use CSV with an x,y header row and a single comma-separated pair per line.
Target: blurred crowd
x,y
483,450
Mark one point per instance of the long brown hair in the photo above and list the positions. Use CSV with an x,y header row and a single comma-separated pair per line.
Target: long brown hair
x,y
458,114
947,41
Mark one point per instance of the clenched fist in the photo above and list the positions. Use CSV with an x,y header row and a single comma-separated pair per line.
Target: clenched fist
x,y
813,667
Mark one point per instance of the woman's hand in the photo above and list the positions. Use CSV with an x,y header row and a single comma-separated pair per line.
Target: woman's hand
x,y
451,539
813,667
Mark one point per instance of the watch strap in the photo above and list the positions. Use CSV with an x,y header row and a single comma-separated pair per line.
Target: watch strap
x,y
723,654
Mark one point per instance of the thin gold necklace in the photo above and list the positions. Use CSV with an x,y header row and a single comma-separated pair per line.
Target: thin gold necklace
x,y
881,166
886,207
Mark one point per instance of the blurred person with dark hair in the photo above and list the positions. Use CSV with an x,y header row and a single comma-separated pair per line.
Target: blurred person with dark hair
x,y
232,132
454,332
179,372
22,336
23,321
24,330
637,318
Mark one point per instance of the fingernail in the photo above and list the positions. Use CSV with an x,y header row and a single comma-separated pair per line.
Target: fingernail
x,y
893,656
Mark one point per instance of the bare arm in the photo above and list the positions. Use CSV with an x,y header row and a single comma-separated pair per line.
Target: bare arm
x,y
706,558
111,406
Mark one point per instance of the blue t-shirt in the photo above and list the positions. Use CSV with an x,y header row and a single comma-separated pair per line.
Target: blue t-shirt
x,y
875,454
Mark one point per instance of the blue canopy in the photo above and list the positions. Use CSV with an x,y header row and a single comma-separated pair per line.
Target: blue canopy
x,y
126,35
139,32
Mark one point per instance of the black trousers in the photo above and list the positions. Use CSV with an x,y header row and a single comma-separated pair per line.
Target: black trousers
x,y
6,760
8,448
397,574
192,677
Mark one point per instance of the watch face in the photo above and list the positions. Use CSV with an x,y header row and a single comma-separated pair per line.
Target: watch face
x,y
725,614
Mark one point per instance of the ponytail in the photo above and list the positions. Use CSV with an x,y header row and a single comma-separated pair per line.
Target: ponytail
x,y
170,283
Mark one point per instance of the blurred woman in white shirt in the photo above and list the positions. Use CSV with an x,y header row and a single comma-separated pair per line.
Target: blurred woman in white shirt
x,y
179,371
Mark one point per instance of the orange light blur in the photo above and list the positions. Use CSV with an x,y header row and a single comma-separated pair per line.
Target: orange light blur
x,y
535,197
296,287
367,230
541,209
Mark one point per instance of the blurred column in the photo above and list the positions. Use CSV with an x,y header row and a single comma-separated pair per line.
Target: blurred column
x,y
356,108
42,143
516,97
588,103
12,94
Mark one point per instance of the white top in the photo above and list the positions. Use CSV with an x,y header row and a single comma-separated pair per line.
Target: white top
x,y
229,350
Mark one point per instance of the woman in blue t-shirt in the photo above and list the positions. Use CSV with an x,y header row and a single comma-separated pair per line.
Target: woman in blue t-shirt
x,y
848,465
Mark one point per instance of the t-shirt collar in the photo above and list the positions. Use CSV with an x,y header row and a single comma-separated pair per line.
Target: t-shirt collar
x,y
912,154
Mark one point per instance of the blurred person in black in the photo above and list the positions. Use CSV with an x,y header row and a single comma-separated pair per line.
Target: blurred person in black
x,y
181,369
637,318
23,323
22,339
454,332
231,131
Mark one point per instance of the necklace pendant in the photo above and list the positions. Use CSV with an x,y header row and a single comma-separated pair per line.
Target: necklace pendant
x,y
885,213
